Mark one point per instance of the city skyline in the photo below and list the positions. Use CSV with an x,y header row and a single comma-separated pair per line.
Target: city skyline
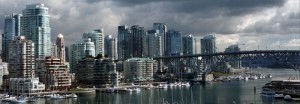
x,y
270,24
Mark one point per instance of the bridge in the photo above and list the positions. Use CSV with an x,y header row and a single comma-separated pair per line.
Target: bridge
x,y
198,62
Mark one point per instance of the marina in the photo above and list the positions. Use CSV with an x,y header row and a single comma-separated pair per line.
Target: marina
x,y
240,92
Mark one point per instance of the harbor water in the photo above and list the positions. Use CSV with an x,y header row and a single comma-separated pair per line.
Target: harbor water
x,y
234,92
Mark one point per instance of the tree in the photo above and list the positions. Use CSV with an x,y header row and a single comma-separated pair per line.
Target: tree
x,y
99,56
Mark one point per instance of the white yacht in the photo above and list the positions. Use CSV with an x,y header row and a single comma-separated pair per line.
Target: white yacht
x,y
8,98
187,84
163,86
288,97
269,76
246,78
73,95
20,99
171,84
137,89
56,96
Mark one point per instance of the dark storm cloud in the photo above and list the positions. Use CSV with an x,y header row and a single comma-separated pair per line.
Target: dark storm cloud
x,y
74,17
231,7
194,16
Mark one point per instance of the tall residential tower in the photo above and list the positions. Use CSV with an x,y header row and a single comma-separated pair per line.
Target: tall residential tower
x,y
208,44
21,58
188,45
110,47
173,43
36,27
123,42
60,43
97,37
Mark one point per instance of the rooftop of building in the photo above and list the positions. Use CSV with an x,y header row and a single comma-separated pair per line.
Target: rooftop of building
x,y
34,6
139,59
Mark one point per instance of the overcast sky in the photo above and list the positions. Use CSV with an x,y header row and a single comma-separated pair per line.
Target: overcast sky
x,y
259,24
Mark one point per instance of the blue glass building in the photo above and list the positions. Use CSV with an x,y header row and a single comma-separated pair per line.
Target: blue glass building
x,y
123,42
12,28
208,44
35,27
173,43
188,45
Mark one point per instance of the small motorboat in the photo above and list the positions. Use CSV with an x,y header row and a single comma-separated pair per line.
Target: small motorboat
x,y
110,90
137,89
278,96
163,86
72,95
56,97
20,99
288,97
267,93
187,84
269,76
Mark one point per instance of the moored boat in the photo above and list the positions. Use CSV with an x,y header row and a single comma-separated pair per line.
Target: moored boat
x,y
187,84
278,96
136,89
20,99
269,76
162,86
56,97
288,97
72,95
267,93
246,78
110,90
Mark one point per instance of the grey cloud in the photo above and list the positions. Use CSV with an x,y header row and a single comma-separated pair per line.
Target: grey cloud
x,y
229,7
199,17
195,16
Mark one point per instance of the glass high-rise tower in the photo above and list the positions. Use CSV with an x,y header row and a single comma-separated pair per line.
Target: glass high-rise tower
x,y
35,27
162,31
97,37
110,44
123,42
138,33
208,44
12,28
173,46
188,45
60,43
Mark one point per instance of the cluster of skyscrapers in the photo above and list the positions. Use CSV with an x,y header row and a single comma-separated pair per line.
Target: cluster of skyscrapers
x,y
27,49
98,59
136,41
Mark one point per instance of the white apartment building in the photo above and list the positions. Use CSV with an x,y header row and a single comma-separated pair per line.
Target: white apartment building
x,y
139,69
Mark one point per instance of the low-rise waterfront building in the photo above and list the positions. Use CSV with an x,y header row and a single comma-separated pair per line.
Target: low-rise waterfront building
x,y
84,71
3,72
25,85
139,69
54,73
97,72
105,73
